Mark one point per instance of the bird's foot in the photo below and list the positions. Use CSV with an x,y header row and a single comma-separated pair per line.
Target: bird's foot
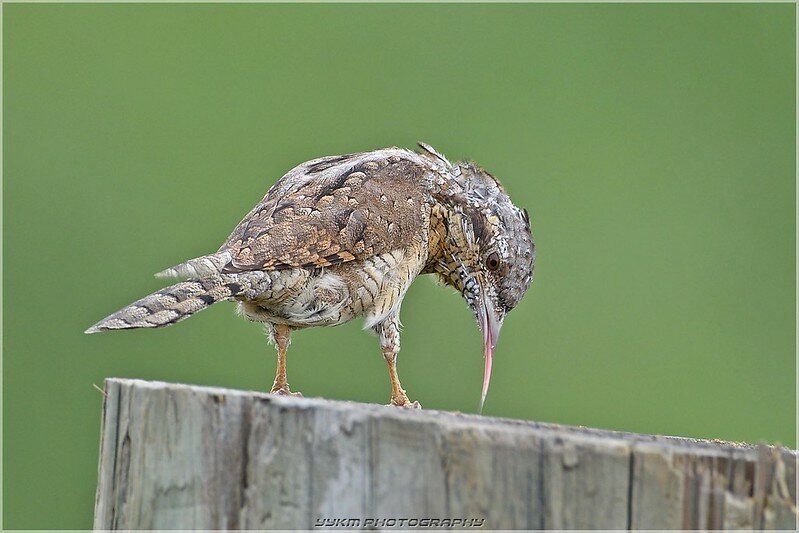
x,y
404,402
283,390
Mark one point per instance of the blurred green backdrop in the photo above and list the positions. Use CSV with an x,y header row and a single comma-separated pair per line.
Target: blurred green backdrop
x,y
653,145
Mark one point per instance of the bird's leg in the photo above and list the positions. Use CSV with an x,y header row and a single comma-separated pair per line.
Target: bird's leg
x,y
388,332
398,396
281,335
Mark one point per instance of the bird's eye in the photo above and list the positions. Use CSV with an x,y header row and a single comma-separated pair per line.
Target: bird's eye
x,y
492,261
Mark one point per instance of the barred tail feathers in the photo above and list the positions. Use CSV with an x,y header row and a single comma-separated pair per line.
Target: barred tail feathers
x,y
199,267
171,304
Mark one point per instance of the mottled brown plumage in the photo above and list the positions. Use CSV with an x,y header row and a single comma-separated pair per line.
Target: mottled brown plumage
x,y
343,237
321,214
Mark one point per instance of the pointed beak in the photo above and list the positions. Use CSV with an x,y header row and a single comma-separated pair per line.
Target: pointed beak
x,y
490,324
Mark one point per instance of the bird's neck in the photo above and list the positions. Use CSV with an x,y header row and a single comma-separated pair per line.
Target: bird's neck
x,y
444,250
448,244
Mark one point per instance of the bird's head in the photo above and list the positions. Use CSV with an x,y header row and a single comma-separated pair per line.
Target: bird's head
x,y
489,252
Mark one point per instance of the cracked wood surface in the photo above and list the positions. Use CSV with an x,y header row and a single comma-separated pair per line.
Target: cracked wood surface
x,y
179,456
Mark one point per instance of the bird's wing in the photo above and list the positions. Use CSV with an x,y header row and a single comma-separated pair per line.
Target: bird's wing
x,y
333,210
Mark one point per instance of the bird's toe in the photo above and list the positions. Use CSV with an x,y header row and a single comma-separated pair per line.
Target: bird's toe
x,y
285,391
407,404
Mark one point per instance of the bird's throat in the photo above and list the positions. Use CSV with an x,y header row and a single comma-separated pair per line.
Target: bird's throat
x,y
446,246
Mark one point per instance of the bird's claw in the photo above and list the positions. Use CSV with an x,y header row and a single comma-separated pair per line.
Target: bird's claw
x,y
285,391
406,404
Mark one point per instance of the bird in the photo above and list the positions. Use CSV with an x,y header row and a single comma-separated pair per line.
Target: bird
x,y
343,237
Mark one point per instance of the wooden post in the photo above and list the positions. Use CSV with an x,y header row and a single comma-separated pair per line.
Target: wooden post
x,y
178,456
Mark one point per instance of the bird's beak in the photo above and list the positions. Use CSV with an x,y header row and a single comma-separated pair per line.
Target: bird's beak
x,y
489,323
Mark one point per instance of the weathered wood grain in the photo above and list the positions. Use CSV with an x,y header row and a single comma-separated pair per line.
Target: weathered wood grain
x,y
178,456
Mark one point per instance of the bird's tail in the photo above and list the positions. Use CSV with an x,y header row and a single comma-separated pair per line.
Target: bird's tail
x,y
173,304
199,267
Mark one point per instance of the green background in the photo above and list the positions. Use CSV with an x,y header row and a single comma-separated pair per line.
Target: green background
x,y
652,144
